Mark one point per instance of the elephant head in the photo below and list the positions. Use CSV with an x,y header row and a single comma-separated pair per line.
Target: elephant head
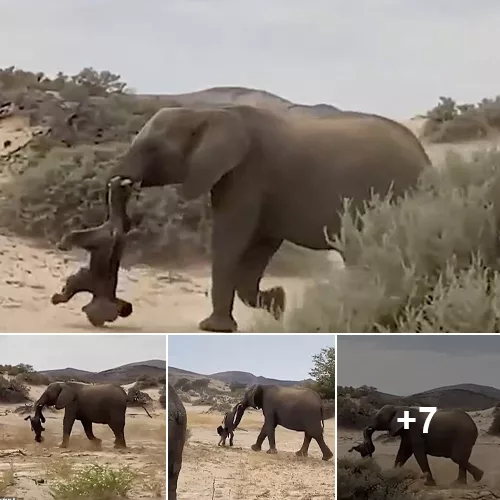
x,y
387,419
193,147
58,394
36,423
253,398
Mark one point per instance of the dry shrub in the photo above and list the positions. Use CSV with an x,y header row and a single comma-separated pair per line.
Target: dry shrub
x,y
427,263
451,122
494,428
364,479
13,391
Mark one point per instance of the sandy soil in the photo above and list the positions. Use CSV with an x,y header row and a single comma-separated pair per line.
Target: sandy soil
x,y
32,462
485,455
225,473
163,302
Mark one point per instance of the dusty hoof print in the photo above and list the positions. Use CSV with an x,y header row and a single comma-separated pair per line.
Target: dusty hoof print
x,y
215,324
255,447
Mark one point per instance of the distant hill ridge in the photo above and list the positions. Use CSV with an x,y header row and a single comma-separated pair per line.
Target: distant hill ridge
x,y
124,374
471,397
233,376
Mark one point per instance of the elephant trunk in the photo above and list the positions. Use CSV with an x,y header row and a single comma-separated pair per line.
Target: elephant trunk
x,y
240,409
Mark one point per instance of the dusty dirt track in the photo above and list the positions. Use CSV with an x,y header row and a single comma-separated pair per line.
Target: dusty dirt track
x,y
485,455
30,461
209,471
163,301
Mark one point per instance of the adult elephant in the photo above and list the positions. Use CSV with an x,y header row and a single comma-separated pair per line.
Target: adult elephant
x,y
451,434
272,178
297,409
177,425
91,404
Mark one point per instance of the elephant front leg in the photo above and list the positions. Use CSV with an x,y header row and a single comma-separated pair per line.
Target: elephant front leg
x,y
252,267
68,421
231,437
404,453
423,462
87,427
260,439
232,232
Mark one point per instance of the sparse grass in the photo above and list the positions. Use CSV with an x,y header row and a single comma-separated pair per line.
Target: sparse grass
x,y
428,263
61,468
364,479
95,482
7,479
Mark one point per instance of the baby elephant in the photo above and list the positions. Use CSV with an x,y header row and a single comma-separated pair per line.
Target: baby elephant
x,y
36,424
366,448
227,428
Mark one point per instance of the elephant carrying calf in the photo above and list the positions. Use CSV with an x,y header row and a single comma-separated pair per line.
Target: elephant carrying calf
x,y
297,409
272,178
91,404
451,434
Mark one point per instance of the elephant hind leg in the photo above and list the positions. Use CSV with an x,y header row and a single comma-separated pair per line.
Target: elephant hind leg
x,y
251,269
305,446
118,431
327,453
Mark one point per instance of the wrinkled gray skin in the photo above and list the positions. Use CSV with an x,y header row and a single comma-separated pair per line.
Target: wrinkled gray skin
x,y
228,425
272,178
451,434
36,423
91,404
297,409
177,425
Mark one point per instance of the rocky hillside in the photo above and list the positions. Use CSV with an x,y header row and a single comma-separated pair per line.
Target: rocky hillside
x,y
228,377
125,374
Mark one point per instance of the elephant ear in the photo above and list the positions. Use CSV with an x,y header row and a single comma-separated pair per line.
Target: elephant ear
x,y
255,396
219,142
397,426
66,396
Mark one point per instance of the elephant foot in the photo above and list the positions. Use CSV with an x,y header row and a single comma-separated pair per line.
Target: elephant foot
x,y
301,453
273,300
256,447
124,308
429,480
327,456
478,475
222,324
459,482
58,298
63,445
100,310
272,451
120,445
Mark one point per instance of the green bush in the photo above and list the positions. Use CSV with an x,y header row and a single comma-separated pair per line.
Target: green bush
x,y
363,479
95,482
427,263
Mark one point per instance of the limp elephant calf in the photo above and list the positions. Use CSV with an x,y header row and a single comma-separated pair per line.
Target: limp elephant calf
x,y
272,178
297,409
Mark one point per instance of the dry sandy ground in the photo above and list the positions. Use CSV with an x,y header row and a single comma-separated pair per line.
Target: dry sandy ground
x,y
225,473
31,462
163,301
485,455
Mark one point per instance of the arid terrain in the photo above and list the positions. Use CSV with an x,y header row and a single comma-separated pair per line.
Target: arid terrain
x,y
36,467
485,455
225,473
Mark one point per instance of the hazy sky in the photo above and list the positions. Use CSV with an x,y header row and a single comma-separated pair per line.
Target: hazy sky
x,y
85,352
285,357
400,364
394,57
